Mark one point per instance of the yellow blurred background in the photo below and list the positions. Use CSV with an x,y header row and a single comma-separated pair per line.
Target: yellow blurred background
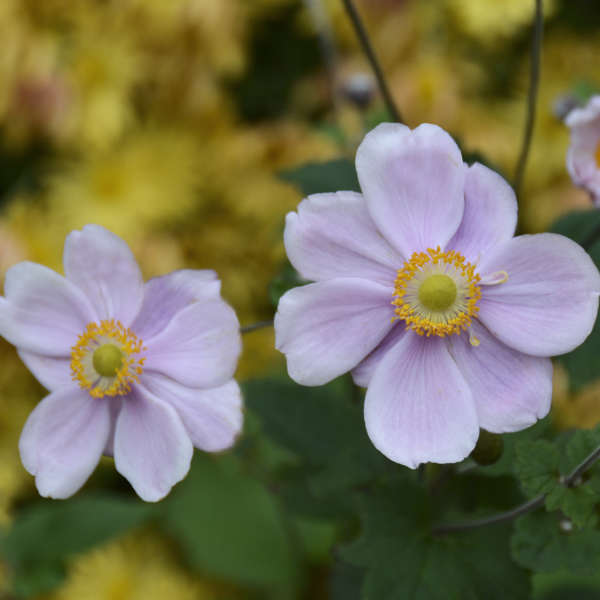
x,y
167,121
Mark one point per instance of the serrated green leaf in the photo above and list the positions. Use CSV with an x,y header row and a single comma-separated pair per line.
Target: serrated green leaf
x,y
323,427
317,178
542,470
405,562
580,445
230,526
538,543
576,503
537,466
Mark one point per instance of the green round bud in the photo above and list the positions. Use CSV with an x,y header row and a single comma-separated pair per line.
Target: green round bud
x,y
488,449
107,360
437,292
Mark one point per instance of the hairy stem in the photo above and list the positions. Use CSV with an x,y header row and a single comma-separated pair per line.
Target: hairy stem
x,y
569,481
534,78
367,47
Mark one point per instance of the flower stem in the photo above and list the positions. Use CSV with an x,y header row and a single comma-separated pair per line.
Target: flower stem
x,y
534,79
254,326
509,515
363,37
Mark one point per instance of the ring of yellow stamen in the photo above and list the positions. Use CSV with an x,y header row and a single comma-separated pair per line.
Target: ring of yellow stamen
x,y
436,293
107,359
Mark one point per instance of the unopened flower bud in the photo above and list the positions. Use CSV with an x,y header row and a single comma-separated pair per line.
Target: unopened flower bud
x,y
359,89
488,449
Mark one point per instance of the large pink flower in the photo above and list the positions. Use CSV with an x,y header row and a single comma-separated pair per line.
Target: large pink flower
x,y
583,156
423,293
139,371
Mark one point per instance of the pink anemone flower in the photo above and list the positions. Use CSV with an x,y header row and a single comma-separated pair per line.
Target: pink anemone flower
x,y
583,156
140,371
423,293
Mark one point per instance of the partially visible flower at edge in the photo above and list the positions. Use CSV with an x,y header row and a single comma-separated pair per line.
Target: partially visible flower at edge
x,y
423,293
583,156
140,371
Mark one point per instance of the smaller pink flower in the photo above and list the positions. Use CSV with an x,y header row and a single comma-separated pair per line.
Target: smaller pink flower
x,y
139,371
583,157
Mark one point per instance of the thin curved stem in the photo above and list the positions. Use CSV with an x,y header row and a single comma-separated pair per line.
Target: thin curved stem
x,y
509,515
254,326
367,47
534,79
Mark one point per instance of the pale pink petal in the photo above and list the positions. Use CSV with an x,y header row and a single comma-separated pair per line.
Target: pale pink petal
x,y
114,405
326,328
549,303
103,267
418,406
165,296
333,235
63,439
511,390
199,347
585,141
51,371
413,184
363,372
212,417
490,215
42,312
152,448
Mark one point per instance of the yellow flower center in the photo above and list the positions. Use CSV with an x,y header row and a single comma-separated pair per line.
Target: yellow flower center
x,y
597,156
107,359
436,293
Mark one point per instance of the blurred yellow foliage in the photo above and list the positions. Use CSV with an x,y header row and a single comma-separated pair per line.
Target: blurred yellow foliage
x,y
136,567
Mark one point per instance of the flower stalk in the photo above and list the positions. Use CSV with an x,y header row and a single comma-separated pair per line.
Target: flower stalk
x,y
534,78
255,326
367,47
570,480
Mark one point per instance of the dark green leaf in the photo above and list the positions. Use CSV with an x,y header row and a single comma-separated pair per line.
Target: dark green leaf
x,y
317,178
539,543
70,526
323,427
542,470
44,535
537,466
230,526
405,562
285,280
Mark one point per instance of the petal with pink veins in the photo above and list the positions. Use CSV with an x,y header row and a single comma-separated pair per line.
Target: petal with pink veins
x,y
63,439
165,296
333,235
413,184
419,407
548,304
511,390
213,416
101,264
199,347
152,449
42,312
325,329
490,215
